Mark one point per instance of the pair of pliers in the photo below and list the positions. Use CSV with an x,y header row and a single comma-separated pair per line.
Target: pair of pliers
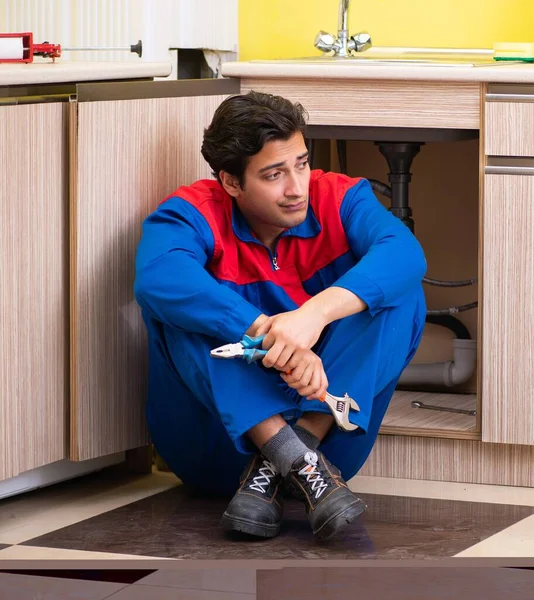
x,y
249,348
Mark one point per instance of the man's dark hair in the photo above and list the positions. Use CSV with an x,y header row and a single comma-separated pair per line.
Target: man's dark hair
x,y
243,124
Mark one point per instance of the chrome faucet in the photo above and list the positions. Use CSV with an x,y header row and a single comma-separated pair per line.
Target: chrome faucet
x,y
343,45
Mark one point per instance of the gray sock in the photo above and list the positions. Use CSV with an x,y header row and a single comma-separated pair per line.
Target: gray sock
x,y
307,437
283,449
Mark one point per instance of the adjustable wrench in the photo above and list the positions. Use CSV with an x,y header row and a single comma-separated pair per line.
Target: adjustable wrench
x,y
340,409
462,411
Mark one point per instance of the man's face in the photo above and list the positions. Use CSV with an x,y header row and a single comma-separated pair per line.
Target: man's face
x,y
275,194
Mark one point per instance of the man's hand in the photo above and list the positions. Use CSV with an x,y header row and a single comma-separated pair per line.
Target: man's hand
x,y
288,333
306,375
252,331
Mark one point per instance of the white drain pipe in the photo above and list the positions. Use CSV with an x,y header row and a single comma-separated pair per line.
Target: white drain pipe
x,y
448,374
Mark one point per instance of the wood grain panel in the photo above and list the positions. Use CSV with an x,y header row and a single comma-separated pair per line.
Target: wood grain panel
x,y
509,128
130,155
508,310
464,461
380,103
402,419
33,284
480,261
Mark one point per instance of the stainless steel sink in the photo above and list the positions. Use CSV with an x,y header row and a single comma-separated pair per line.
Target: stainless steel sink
x,y
375,57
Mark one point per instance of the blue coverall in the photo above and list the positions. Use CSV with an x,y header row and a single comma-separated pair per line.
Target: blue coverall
x,y
202,278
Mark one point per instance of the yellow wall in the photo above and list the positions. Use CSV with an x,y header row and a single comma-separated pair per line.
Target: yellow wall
x,y
287,28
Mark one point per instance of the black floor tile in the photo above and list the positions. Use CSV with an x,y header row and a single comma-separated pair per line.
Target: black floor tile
x,y
112,575
176,524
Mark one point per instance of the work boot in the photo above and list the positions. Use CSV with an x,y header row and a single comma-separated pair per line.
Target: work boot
x,y
330,505
256,508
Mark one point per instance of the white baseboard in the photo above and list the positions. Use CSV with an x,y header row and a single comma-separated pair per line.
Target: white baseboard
x,y
54,473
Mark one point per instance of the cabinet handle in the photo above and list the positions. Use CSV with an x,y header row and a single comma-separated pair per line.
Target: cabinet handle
x,y
508,170
509,97
498,92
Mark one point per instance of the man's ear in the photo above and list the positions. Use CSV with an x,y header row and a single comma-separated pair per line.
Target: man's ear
x,y
230,183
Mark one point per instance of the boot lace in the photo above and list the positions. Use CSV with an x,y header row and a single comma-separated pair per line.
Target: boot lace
x,y
312,475
262,481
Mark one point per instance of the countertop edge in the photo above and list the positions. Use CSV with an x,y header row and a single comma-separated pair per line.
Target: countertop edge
x,y
63,72
495,73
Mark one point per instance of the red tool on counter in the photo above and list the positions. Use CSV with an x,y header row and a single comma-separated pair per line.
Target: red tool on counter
x,y
19,48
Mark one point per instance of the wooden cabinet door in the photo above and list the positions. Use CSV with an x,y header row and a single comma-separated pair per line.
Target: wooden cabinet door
x,y
508,308
131,146
509,120
33,283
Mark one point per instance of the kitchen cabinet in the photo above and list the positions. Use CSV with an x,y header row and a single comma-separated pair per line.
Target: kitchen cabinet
x,y
33,286
370,103
132,144
509,115
135,145
508,309
385,110
508,266
127,155
34,275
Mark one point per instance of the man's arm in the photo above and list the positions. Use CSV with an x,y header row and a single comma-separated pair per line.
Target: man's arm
x,y
173,286
334,303
390,264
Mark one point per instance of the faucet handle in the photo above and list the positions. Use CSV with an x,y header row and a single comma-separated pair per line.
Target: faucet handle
x,y
325,42
360,42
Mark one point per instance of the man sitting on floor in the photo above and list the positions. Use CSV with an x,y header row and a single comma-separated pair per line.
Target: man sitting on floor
x,y
313,261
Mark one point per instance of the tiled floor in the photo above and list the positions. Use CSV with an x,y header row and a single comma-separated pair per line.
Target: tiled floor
x,y
190,584
516,540
383,583
107,516
111,575
37,513
24,587
175,524
19,552
293,583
